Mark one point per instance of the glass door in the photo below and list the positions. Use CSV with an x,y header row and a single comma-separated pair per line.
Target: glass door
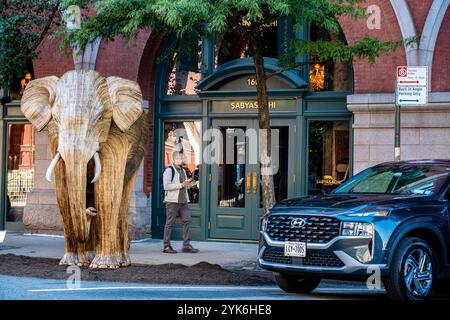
x,y
232,191
236,206
20,172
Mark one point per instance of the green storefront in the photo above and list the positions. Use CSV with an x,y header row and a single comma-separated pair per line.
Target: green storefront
x,y
314,140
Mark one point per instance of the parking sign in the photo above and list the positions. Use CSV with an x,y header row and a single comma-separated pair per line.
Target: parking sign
x,y
412,86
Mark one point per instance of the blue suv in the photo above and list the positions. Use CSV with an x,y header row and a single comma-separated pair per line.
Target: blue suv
x,y
390,220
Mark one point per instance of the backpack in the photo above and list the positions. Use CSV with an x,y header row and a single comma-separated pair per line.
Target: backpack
x,y
161,182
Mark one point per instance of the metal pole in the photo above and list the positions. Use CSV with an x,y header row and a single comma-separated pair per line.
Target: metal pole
x,y
397,133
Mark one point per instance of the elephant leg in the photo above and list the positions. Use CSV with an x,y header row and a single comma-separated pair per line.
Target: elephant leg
x,y
124,240
75,251
108,195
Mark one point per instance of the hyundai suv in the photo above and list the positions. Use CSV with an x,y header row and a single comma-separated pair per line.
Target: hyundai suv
x,y
390,220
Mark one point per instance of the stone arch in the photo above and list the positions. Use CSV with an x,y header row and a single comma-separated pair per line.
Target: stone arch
x,y
441,59
146,79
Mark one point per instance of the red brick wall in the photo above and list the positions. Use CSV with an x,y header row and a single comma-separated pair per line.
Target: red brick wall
x,y
441,63
146,79
380,76
52,61
121,59
419,10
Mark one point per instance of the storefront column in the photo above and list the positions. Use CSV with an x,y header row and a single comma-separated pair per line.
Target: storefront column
x,y
425,130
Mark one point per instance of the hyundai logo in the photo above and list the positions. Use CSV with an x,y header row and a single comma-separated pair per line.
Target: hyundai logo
x,y
298,222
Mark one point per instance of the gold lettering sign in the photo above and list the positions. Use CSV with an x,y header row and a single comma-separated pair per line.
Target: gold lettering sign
x,y
249,105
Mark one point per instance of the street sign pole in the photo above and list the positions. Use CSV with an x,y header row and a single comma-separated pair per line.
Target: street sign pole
x,y
397,154
411,90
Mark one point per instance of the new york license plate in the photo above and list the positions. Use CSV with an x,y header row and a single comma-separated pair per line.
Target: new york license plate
x,y
295,249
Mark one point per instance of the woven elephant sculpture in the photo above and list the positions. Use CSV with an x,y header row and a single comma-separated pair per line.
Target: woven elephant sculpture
x,y
97,131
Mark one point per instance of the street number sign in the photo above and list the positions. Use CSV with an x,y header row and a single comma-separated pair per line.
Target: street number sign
x,y
412,86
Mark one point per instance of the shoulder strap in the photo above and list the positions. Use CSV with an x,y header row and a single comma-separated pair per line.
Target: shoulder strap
x,y
172,169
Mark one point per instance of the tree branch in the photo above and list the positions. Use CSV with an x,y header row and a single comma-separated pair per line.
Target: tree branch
x,y
289,67
46,27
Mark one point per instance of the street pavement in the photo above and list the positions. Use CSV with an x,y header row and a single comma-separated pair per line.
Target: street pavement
x,y
19,288
230,255
147,251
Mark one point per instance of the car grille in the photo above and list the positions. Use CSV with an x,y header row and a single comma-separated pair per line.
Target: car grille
x,y
311,259
316,230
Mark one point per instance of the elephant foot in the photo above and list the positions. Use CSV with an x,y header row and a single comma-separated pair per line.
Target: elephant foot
x,y
125,260
74,259
105,262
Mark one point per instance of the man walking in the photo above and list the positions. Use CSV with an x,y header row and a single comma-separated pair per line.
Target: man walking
x,y
176,197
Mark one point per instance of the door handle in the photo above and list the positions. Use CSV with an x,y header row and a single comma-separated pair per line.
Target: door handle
x,y
248,181
255,182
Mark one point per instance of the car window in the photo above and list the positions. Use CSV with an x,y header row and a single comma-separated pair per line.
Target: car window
x,y
376,183
396,179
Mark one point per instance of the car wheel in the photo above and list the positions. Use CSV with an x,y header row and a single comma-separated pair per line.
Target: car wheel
x,y
293,284
413,271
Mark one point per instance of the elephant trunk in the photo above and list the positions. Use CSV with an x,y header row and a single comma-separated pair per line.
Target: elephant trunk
x,y
76,178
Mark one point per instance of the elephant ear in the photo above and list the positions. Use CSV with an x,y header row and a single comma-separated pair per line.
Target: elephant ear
x,y
37,100
126,97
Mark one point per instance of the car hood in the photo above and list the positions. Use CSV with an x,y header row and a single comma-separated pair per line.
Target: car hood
x,y
333,204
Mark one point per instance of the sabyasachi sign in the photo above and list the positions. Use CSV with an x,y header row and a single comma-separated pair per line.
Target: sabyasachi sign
x,y
252,105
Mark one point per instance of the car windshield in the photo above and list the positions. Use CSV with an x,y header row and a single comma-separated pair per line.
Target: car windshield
x,y
397,179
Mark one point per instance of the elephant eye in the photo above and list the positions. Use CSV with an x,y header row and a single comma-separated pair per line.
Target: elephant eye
x,y
99,118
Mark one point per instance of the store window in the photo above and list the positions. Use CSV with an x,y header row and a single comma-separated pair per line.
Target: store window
x,y
185,137
328,75
20,161
328,155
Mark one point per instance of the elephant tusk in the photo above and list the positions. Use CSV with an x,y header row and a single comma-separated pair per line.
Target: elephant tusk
x,y
91,211
98,167
51,167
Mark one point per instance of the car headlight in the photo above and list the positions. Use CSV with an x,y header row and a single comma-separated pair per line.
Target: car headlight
x,y
382,213
357,229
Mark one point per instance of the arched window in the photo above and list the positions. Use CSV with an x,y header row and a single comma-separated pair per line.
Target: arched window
x,y
188,64
20,82
184,72
328,75
232,44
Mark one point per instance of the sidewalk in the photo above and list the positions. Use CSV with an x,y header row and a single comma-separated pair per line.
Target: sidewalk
x,y
227,255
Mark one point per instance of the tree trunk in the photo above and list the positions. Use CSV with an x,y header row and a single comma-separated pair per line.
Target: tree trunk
x,y
267,186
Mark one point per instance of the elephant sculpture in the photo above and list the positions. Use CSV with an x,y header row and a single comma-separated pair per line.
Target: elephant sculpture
x,y
97,131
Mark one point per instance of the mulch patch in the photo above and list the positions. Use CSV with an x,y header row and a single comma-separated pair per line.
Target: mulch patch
x,y
202,273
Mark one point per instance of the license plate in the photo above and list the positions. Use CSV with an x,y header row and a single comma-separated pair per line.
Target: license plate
x,y
295,249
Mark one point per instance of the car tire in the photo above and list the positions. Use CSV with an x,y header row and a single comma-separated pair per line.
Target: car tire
x,y
404,281
294,284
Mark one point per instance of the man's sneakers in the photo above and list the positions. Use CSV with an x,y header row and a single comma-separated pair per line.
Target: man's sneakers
x,y
169,249
189,249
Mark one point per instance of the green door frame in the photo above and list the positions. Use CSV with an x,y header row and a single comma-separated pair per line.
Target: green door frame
x,y
252,199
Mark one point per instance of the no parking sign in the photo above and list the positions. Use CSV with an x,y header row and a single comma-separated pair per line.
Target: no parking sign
x,y
412,86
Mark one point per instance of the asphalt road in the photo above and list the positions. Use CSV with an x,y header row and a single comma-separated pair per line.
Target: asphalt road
x,y
20,288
